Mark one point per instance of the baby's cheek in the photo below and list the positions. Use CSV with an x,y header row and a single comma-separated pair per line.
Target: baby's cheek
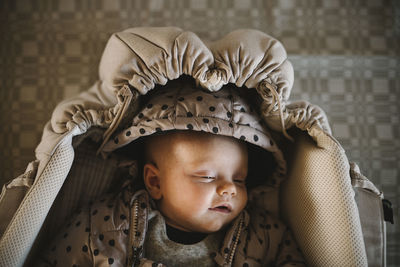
x,y
201,197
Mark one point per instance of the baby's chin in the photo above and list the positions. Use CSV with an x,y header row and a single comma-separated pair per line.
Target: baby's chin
x,y
208,225
211,228
206,228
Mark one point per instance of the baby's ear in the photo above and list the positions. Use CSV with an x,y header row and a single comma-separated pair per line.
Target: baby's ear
x,y
152,180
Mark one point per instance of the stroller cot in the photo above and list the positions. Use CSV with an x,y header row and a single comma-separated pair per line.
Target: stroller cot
x,y
335,213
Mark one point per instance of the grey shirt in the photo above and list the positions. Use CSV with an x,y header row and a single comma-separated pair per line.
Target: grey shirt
x,y
160,248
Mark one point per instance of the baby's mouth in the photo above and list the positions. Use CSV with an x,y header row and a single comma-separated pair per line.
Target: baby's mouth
x,y
224,208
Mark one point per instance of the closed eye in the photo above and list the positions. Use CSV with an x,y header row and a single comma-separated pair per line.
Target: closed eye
x,y
205,179
208,177
240,181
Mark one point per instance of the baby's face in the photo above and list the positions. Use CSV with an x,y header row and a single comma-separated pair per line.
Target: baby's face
x,y
202,181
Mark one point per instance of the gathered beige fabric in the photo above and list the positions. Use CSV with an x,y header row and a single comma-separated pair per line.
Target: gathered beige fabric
x,y
317,198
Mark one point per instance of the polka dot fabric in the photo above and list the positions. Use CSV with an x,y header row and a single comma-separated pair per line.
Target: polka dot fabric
x,y
68,244
180,105
99,236
267,233
96,236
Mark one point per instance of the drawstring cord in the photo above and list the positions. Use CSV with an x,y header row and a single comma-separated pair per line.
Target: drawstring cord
x,y
275,94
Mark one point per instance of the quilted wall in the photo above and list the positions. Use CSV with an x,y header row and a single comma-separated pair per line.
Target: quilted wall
x,y
345,56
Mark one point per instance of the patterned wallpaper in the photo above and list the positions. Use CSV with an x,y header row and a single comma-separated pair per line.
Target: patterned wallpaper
x,y
345,55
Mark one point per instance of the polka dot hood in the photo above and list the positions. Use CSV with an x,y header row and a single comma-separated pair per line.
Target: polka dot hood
x,y
181,105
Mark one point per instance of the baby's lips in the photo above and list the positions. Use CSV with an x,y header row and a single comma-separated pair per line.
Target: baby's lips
x,y
223,207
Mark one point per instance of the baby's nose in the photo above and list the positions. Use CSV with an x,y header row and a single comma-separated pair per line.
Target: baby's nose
x,y
227,188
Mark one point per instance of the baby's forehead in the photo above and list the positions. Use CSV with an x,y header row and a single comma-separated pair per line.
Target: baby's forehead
x,y
175,138
175,143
